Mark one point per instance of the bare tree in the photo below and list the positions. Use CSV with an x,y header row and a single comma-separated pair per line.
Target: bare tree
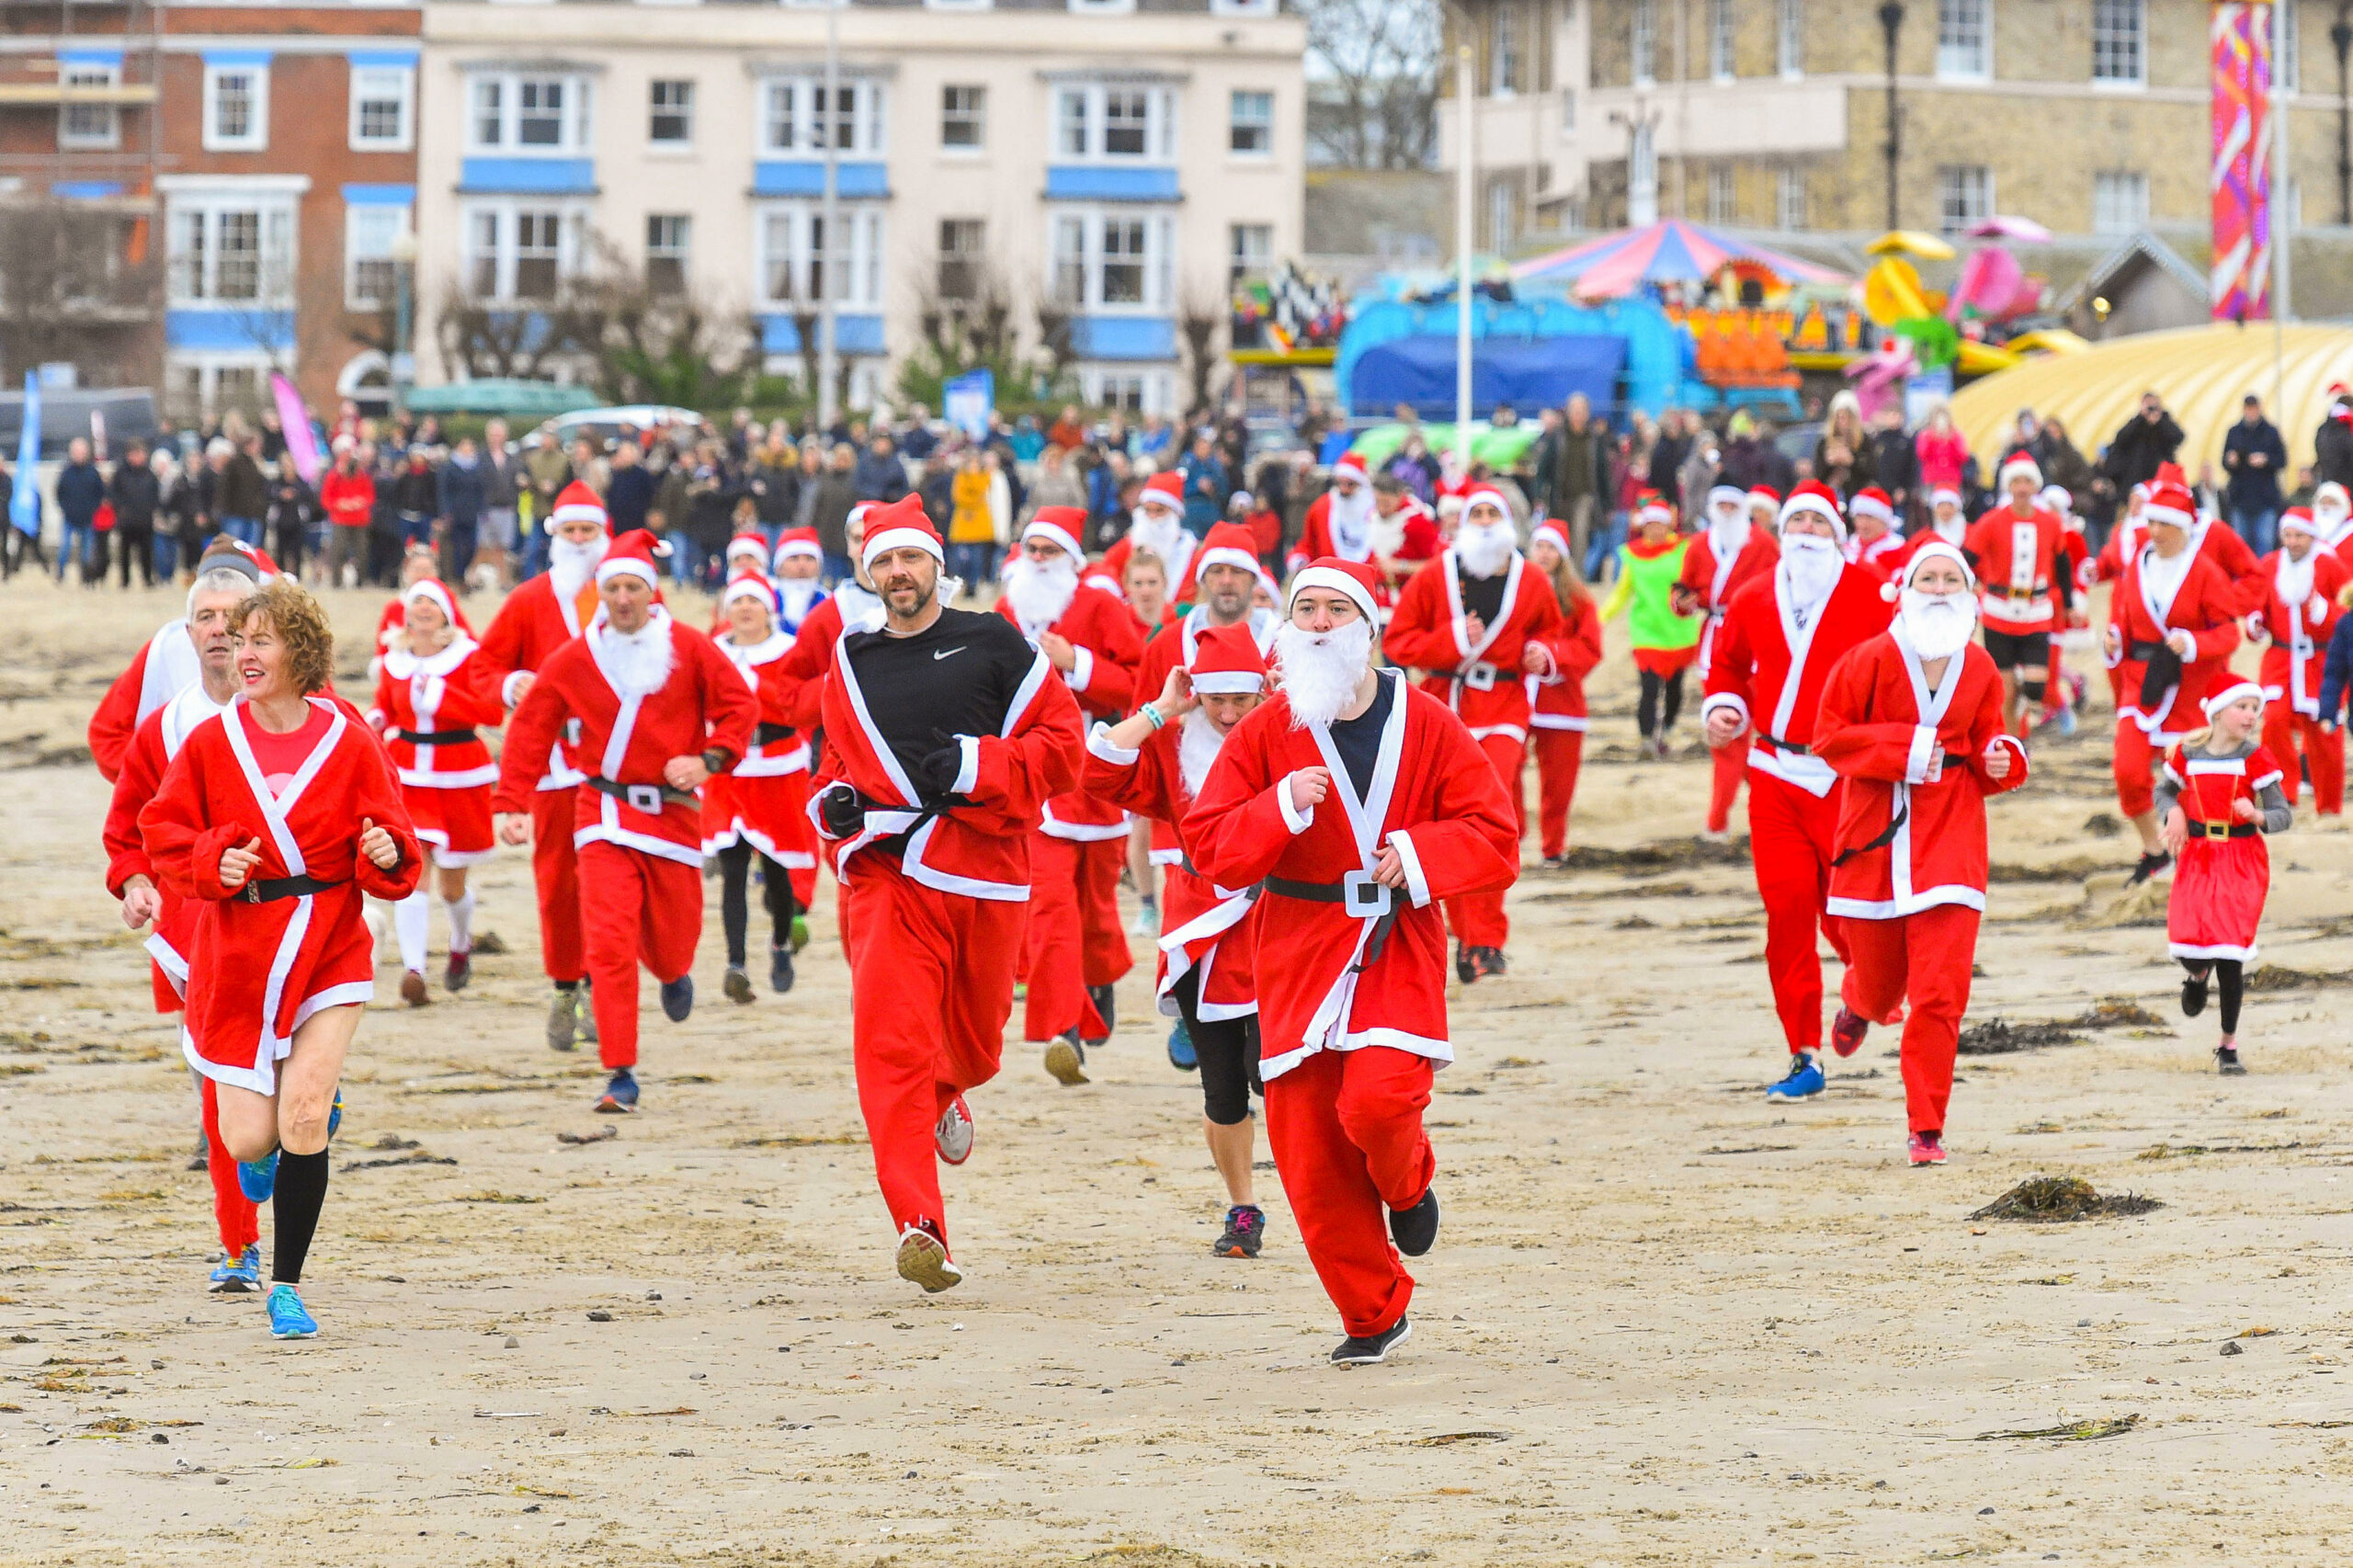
x,y
655,343
1198,322
970,324
1371,82
70,292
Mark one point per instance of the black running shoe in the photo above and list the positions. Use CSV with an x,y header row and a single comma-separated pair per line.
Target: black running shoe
x,y
2193,996
2227,1062
1485,962
1465,970
1372,1349
1245,1231
2150,865
678,998
781,975
1414,1229
1106,1005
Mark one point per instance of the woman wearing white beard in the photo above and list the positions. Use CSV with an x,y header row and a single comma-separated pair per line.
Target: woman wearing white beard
x,y
1913,720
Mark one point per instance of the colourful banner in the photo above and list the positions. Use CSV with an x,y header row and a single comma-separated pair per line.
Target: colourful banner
x,y
2240,174
24,501
301,445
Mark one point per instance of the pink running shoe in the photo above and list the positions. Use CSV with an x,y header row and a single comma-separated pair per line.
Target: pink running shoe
x,y
1927,1148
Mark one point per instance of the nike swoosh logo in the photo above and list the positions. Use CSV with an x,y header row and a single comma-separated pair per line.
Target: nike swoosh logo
x,y
944,652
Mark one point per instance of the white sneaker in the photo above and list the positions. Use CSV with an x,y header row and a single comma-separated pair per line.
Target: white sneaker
x,y
923,1259
952,1133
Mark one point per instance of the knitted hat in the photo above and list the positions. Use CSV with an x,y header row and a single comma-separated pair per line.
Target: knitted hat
x,y
1818,499
899,525
1226,661
1060,525
575,500
1353,578
634,554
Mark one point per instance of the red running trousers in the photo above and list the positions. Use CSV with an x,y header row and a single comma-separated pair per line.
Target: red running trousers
x,y
2287,732
1925,957
1345,1130
1053,944
1723,788
1100,861
555,873
1558,754
1478,919
1792,837
931,975
236,1215
636,906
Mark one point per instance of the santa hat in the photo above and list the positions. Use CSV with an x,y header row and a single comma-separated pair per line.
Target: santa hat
x,y
1163,489
1060,525
1349,466
1226,544
2301,518
1943,494
2018,463
1226,661
750,544
1353,578
1729,496
797,541
855,517
1550,533
749,585
1487,495
2221,699
634,554
431,588
574,501
1934,550
1650,506
2340,402
1817,498
2056,498
2334,493
1870,501
1764,495
899,525
2171,502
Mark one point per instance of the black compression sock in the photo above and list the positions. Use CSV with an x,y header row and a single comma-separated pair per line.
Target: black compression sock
x,y
294,1214
567,986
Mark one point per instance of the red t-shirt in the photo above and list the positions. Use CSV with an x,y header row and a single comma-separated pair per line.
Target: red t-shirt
x,y
279,757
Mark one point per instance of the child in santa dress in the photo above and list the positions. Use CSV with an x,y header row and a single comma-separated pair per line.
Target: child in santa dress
x,y
760,807
1666,642
2219,794
433,700
1557,726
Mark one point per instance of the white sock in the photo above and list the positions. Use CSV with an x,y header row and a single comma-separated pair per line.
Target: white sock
x,y
461,922
409,917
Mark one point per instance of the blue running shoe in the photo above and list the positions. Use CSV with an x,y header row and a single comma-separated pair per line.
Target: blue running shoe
x,y
258,1178
335,1113
238,1276
1805,1080
620,1096
1181,1054
678,998
288,1318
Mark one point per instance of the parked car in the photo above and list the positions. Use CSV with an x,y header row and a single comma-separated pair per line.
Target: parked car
x,y
604,425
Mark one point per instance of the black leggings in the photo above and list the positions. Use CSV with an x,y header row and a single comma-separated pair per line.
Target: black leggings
x,y
1228,1048
1650,717
2230,985
735,915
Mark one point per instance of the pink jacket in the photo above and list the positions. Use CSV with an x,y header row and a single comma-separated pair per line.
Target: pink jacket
x,y
1942,458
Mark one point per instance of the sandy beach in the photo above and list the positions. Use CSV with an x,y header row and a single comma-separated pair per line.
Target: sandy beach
x,y
1665,1323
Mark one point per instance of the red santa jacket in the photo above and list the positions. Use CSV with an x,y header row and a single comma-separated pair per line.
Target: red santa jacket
x,y
1102,633
1410,533
1883,557
1712,575
802,671
1435,799
165,666
144,763
1171,647
1482,681
2221,545
777,745
1111,574
2299,628
447,694
1557,700
2021,583
2210,787
1770,670
1912,823
525,633
1202,925
2204,603
976,843
626,736
269,966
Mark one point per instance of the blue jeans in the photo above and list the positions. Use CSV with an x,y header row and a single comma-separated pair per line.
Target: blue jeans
x,y
837,570
1603,548
75,545
686,561
244,530
2259,526
417,528
167,557
535,553
463,539
975,563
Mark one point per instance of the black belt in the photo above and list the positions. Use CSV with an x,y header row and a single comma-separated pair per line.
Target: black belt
x,y
646,798
1894,824
270,890
768,735
1792,747
2222,830
1345,895
436,737
2141,653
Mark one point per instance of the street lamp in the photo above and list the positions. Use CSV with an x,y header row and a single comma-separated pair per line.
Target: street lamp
x,y
1890,22
403,366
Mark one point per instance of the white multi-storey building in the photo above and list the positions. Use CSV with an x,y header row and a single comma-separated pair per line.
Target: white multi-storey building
x,y
1118,160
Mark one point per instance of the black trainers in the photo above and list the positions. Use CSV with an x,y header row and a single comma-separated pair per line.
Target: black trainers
x,y
1372,1349
1464,970
1485,962
1106,1005
678,998
1245,1232
2150,865
2193,996
781,975
1414,1229
2227,1062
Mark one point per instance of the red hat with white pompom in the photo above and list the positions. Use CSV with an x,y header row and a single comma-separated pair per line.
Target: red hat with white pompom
x,y
573,502
747,543
1349,466
432,590
2237,691
1934,550
797,543
634,554
1059,526
1813,498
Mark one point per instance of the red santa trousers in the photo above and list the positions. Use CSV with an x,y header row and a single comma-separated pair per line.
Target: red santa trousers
x,y
556,872
635,906
1345,1130
1792,837
1925,958
1478,919
1053,943
1100,861
1730,762
931,978
2136,790
1558,754
237,1216
2285,734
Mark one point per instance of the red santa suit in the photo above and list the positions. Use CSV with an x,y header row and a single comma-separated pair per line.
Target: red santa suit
x,y
1884,555
1361,531
640,842
1173,646
428,708
1159,526
2300,615
1073,942
1482,681
2153,599
1556,723
293,940
164,665
1910,876
763,800
1352,975
1770,662
936,876
1720,563
2219,890
394,618
530,626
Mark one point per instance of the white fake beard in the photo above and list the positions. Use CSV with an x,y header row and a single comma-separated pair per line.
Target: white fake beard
x,y
1321,670
570,565
1040,591
799,594
1197,747
1937,625
1953,532
639,661
1351,519
1146,530
1812,564
2330,523
1728,530
2295,583
1389,532
1484,552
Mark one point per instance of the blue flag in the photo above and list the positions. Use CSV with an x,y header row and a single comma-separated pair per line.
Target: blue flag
x,y
24,505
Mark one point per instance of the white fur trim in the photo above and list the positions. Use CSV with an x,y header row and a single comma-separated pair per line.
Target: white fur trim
x,y
900,539
1294,819
1798,505
2218,702
1338,582
1038,529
